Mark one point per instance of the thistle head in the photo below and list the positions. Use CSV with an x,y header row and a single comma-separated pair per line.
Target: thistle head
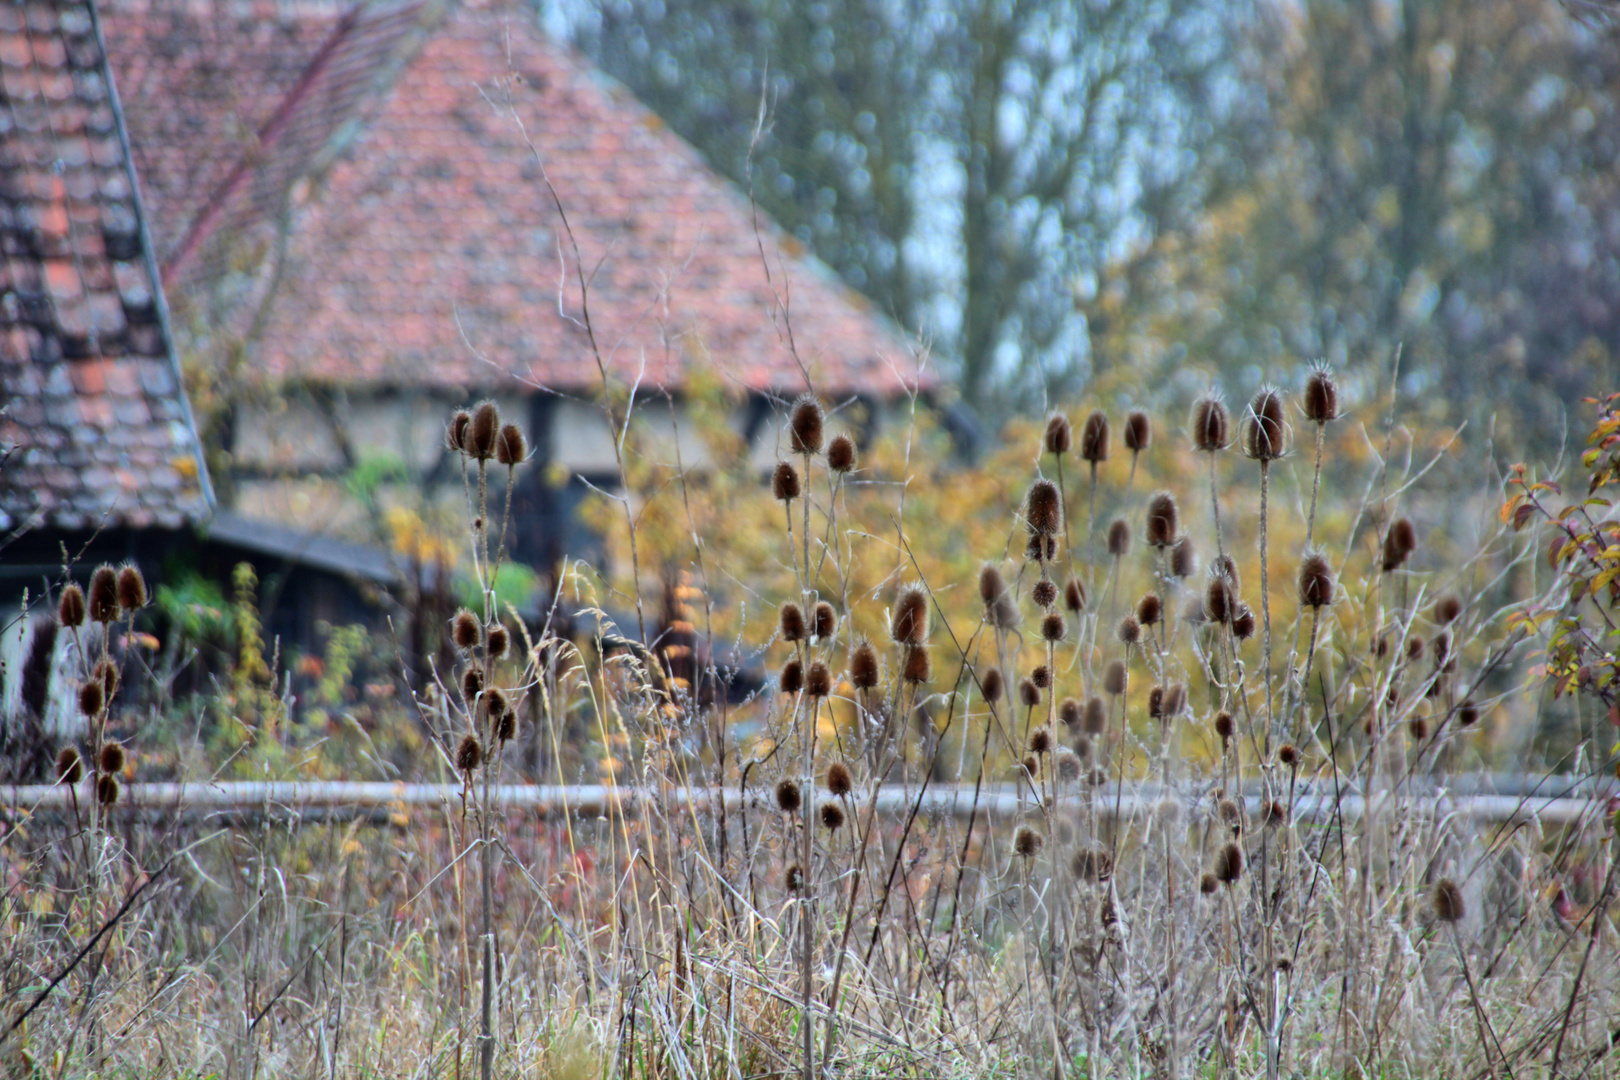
x,y
991,584
1041,676
1027,842
1040,741
111,758
107,789
1225,728
1399,542
1029,695
1243,622
499,641
1447,609
92,698
1130,630
1071,713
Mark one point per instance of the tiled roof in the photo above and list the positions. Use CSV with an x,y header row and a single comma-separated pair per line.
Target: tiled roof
x,y
95,429
429,251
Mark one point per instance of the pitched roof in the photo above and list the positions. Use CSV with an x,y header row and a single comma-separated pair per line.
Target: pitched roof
x,y
95,428
425,248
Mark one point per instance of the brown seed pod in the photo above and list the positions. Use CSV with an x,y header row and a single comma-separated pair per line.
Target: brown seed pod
x,y
70,607
1229,864
1414,647
1070,713
1043,509
1092,865
840,782
863,667
1044,593
919,668
1288,754
1053,628
1224,727
832,816
1074,597
1130,630
1192,611
1207,884
1230,813
472,683
991,585
1138,433
1004,613
1448,901
1316,583
795,878
1163,520
455,433
506,726
841,456
1209,424
824,621
104,595
1155,703
69,766
1243,623
990,685
1058,434
1275,815
495,701
1467,714
1225,568
1119,538
908,625
484,431
511,448
1094,438
111,757
1041,549
792,677
1032,766
785,482
1175,697
1040,741
1149,609
1440,647
464,630
499,641
1097,778
1183,559
1027,842
468,753
818,683
1116,678
1068,766
805,425
1082,746
107,789
1321,396
792,622
1041,676
1029,695
1419,728
1447,609
1096,719
1264,429
131,589
106,673
1218,601
92,696
1399,542
787,795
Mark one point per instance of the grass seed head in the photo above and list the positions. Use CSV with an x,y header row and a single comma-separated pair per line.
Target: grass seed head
x,y
1074,596
1115,677
863,666
1163,520
792,623
841,456
1321,396
1316,583
111,757
806,425
909,623
839,779
1059,436
1138,433
70,607
824,621
785,482
1043,509
1448,901
69,766
104,595
991,685
1211,427
1119,538
792,678
787,796
1094,438
484,431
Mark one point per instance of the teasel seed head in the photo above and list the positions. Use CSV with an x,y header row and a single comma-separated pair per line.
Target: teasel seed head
x,y
1316,585
91,698
991,585
1231,814
1225,567
1183,559
919,668
1229,864
1027,842
785,482
1119,538
1192,611
840,781
792,677
1044,592
1418,727
469,754
455,433
824,621
841,456
1414,647
1043,509
111,757
787,796
484,431
805,425
1448,901
107,789
464,630
1149,609
104,595
472,684
1155,703
1467,714
495,701
1097,778
1070,713
1264,429
1440,647
832,816
1053,627
1041,676
818,683
106,673
1447,609
1041,549
1275,815
70,606
131,589
1399,542
909,623
1224,728
1094,438
1031,766
1096,718
795,878
991,685
1288,754
1207,884
499,641
1092,865
1058,434
69,766
1130,630
863,666
1211,428
792,623
1243,623
1218,601
1067,766
1138,433
511,448
1175,698
1029,695
1116,678
506,726
1163,520
1040,741
1321,396
1082,746
1074,596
